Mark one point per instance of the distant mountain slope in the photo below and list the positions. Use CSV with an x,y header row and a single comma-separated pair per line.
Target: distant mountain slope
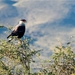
x,y
7,12
3,32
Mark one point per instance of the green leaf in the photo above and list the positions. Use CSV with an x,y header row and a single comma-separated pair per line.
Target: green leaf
x,y
1,26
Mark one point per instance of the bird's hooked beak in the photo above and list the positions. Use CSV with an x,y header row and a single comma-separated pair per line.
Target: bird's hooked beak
x,y
24,20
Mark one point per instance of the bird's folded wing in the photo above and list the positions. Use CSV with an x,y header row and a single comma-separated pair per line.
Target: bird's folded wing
x,y
15,28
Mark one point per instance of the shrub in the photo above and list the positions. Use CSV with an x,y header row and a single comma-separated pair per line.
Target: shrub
x,y
62,61
14,54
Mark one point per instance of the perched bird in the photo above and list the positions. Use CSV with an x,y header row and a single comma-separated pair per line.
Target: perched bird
x,y
19,29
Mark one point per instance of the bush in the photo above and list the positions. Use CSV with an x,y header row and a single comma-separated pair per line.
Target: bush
x,y
14,55
62,61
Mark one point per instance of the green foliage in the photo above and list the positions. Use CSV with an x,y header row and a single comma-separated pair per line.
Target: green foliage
x,y
62,61
1,26
17,51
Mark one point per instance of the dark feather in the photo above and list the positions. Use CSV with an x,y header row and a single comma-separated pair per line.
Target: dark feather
x,y
19,32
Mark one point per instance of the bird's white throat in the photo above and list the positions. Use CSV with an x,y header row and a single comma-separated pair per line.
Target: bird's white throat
x,y
21,22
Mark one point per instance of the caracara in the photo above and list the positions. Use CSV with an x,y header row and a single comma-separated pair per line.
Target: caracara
x,y
19,29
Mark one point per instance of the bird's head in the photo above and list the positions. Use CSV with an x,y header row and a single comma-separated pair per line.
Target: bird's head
x,y
22,21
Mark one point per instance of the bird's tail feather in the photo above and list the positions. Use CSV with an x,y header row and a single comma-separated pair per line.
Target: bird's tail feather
x,y
8,36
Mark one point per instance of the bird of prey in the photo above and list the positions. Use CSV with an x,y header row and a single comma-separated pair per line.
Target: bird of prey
x,y
19,29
